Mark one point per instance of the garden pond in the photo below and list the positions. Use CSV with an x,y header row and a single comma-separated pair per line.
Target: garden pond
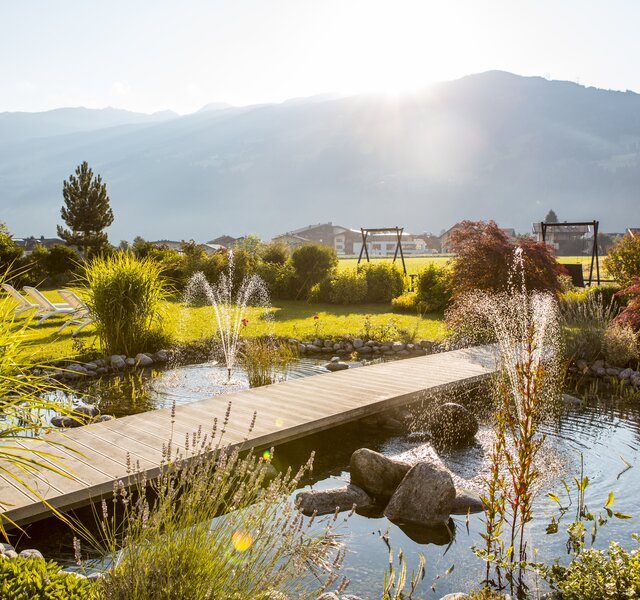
x,y
603,431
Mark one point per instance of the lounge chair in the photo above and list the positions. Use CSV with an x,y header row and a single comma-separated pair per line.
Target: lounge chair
x,y
46,308
23,304
81,316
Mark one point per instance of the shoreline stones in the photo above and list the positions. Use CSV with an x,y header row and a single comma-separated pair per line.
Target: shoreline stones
x,y
451,424
378,475
425,496
602,369
85,414
336,365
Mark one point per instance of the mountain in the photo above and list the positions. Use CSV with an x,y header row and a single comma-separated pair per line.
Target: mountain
x,y
492,145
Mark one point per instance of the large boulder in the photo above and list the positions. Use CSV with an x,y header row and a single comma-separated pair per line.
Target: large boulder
x,y
424,497
466,501
451,424
376,474
324,502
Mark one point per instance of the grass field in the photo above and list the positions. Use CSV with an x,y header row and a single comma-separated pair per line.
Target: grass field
x,y
415,264
286,319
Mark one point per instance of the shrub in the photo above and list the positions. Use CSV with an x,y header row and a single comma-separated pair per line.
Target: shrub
x,y
348,287
484,260
215,525
312,263
31,578
10,252
599,575
434,288
408,302
623,260
630,314
280,279
276,252
266,361
126,296
385,281
620,345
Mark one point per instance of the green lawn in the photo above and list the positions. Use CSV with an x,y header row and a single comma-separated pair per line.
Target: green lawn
x,y
285,318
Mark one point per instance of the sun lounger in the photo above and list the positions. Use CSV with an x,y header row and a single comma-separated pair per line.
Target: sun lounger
x,y
81,316
46,308
23,304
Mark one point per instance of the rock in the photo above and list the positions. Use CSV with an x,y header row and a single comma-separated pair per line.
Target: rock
x,y
397,346
403,353
376,474
349,597
456,596
626,373
161,356
91,366
598,364
424,497
116,362
336,366
95,576
130,362
582,365
87,410
357,343
31,553
5,547
65,422
313,348
324,502
328,344
466,501
365,350
391,424
10,554
612,371
570,400
348,347
440,534
372,344
103,418
101,371
599,371
451,424
143,360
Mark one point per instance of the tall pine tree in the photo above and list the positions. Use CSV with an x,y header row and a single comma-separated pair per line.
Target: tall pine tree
x,y
86,210
551,217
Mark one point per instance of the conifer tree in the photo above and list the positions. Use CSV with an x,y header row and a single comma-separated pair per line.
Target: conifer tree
x,y
551,217
86,210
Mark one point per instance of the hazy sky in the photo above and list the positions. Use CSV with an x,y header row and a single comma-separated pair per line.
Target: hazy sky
x,y
150,55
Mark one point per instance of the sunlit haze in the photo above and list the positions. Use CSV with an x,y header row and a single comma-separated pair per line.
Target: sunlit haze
x,y
155,55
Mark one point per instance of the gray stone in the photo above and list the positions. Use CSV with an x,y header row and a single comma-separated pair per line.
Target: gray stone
x,y
10,554
335,359
424,497
103,418
358,343
5,547
451,424
313,348
161,356
456,596
349,597
324,502
626,373
87,410
397,346
570,400
130,362
365,350
582,365
336,366
403,353
31,553
599,371
318,342
612,371
327,351
376,474
348,347
328,344
101,371
65,422
391,424
465,502
116,362
95,576
143,360
372,344
91,366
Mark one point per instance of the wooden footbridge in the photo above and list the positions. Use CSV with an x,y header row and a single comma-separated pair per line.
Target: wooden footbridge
x,y
95,456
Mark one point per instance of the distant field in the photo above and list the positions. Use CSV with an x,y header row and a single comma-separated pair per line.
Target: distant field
x,y
415,264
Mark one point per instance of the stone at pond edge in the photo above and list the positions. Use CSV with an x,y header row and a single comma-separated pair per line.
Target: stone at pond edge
x,y
456,596
466,501
451,424
116,362
103,418
65,422
324,502
143,360
336,366
376,474
87,410
424,497
31,553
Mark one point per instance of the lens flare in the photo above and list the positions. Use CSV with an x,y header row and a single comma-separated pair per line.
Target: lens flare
x,y
279,422
241,540
266,455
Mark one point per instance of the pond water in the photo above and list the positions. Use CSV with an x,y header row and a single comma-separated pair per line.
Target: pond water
x,y
606,432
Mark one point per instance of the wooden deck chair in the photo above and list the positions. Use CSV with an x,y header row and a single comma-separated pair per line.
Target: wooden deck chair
x,y
46,307
81,316
23,304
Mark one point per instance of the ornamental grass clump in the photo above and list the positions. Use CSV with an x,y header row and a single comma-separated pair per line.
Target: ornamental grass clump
x,y
267,360
126,297
215,524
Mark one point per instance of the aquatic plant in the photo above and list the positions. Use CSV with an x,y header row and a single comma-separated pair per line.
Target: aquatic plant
x,y
216,524
267,360
126,296
229,301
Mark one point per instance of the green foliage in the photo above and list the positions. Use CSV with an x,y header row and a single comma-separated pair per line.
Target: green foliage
x,y
385,281
623,260
126,296
267,360
408,302
86,210
276,253
35,579
348,287
280,279
312,263
599,575
434,287
620,345
10,252
484,260
215,525
141,247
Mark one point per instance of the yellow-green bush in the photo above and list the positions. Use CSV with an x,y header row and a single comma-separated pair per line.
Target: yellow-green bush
x,y
623,260
408,302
